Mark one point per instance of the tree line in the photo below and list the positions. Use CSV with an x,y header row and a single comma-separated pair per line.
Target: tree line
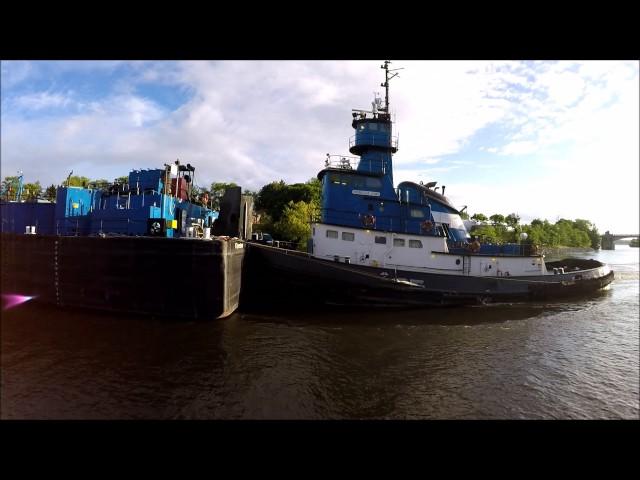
x,y
34,190
563,233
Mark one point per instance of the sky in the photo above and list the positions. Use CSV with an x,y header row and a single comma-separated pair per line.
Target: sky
x,y
542,139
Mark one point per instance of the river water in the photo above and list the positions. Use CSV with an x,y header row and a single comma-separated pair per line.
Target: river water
x,y
560,360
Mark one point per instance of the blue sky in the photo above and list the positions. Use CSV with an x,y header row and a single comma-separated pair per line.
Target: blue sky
x,y
541,139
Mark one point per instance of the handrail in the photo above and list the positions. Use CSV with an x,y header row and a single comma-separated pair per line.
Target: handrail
x,y
342,161
372,164
373,140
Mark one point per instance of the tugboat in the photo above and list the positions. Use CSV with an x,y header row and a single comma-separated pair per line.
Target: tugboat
x,y
145,246
377,244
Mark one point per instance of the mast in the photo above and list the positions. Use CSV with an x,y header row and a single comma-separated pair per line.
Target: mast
x,y
386,83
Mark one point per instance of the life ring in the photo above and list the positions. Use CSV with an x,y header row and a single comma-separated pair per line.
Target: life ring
x,y
426,225
368,221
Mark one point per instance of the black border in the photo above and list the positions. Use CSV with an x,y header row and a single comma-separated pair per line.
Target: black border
x,y
302,31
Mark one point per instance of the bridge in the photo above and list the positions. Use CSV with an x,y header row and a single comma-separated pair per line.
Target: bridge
x,y
608,239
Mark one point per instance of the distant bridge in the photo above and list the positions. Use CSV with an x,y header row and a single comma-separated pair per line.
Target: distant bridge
x,y
608,239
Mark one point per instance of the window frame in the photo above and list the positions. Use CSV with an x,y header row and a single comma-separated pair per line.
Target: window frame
x,y
352,239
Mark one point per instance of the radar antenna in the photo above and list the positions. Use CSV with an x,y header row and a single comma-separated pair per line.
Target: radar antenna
x,y
386,83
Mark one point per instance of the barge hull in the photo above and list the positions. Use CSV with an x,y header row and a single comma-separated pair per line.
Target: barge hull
x,y
184,278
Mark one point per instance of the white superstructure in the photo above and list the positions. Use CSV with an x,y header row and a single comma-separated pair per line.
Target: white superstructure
x,y
417,253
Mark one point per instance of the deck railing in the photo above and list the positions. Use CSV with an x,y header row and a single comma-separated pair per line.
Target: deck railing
x,y
370,139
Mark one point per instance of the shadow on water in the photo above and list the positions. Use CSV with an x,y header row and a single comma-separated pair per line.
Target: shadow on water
x,y
450,315
468,315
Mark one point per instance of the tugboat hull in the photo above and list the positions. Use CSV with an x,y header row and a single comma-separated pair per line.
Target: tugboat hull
x,y
304,280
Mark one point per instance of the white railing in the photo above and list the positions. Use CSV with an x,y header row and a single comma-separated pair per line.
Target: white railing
x,y
341,161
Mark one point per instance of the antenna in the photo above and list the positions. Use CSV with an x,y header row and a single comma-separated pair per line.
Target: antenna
x,y
386,83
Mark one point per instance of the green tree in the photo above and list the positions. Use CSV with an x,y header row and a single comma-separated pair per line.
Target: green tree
x,y
77,181
464,215
591,230
497,219
512,219
274,197
488,234
479,217
295,223
10,187
31,191
50,193
536,222
100,183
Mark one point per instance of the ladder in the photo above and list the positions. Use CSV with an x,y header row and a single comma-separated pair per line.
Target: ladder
x,y
466,265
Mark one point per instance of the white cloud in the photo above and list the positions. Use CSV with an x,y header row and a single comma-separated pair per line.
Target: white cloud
x,y
42,100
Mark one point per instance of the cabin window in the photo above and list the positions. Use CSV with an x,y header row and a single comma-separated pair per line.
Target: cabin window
x,y
382,127
338,179
332,234
398,242
373,127
365,182
382,240
372,182
417,213
415,244
348,236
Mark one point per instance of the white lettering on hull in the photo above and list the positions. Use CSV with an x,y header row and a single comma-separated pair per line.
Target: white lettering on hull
x,y
365,193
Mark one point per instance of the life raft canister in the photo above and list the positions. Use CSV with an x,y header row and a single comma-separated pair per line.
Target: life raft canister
x,y
368,221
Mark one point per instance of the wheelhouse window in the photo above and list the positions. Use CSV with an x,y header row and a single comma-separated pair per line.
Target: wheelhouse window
x,y
348,236
381,240
338,179
415,244
372,182
373,127
398,242
357,181
332,234
416,213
